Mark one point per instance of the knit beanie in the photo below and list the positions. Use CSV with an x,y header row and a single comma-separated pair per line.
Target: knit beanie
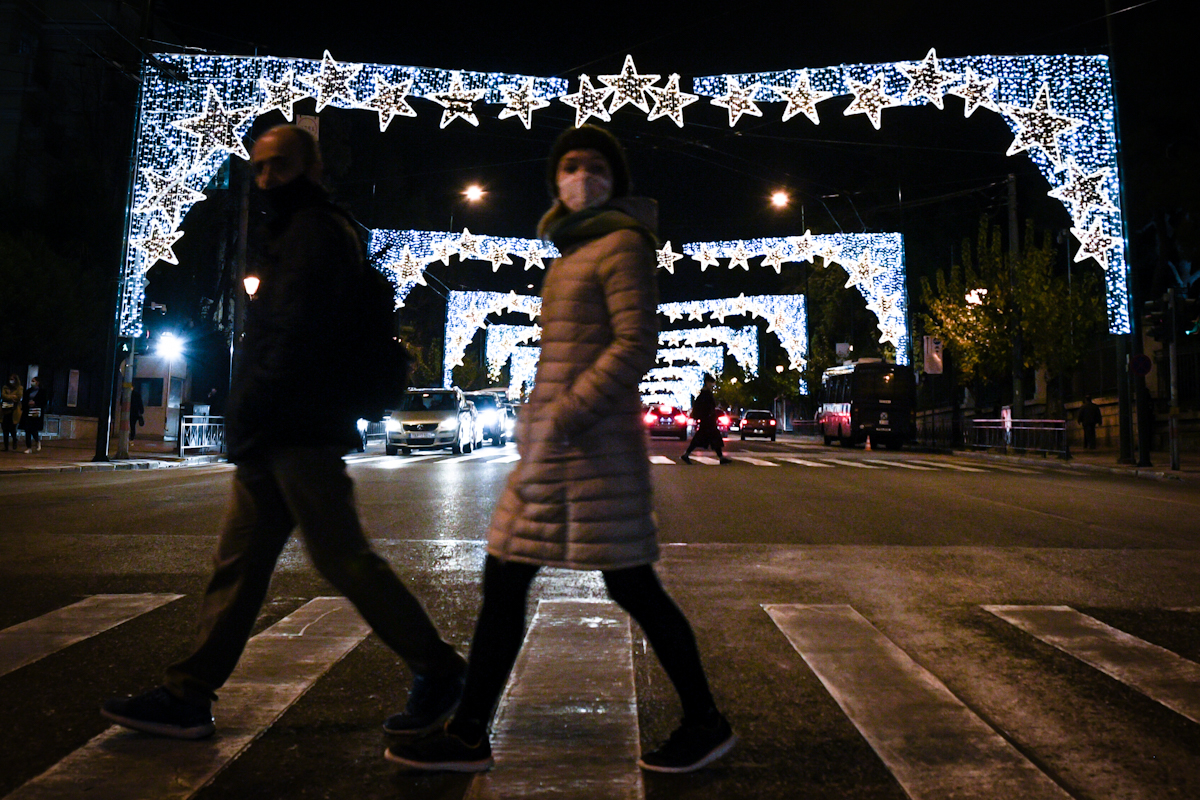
x,y
589,137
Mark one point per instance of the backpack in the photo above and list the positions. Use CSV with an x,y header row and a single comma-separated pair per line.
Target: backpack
x,y
378,360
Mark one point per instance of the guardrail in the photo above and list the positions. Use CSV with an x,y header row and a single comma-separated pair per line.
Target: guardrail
x,y
1046,436
806,427
201,436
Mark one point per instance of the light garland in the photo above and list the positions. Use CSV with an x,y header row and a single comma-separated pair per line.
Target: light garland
x,y
1060,109
500,342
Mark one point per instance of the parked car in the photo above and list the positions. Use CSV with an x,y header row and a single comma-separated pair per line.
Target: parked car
x,y
432,419
664,420
758,423
493,416
735,420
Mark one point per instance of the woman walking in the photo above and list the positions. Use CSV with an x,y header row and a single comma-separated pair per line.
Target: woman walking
x,y
580,497
33,415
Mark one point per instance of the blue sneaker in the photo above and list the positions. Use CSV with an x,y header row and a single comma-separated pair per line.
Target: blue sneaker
x,y
161,713
431,701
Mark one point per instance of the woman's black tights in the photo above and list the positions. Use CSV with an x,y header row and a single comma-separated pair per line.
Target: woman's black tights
x,y
500,631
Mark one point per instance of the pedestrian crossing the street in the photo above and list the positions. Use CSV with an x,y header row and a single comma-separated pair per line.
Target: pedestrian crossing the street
x,y
568,718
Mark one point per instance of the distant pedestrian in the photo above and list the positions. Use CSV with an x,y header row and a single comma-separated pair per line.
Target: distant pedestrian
x,y
580,496
137,411
11,395
290,472
33,411
708,433
1089,417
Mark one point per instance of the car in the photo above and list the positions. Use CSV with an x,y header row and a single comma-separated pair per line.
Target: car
x,y
493,416
758,423
432,419
734,420
665,420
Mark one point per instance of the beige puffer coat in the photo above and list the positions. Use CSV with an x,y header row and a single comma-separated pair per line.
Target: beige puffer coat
x,y
580,497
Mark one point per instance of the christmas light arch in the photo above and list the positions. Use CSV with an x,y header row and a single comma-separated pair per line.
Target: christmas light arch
x,y
195,110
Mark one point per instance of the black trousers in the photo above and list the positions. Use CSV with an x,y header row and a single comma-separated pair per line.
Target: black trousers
x,y
501,628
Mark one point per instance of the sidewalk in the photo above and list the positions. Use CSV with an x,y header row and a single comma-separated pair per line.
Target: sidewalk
x,y
78,455
1105,459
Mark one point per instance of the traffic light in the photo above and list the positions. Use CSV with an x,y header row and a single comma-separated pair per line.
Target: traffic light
x,y
1187,316
1156,320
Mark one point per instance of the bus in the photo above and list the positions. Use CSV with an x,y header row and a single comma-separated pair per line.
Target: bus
x,y
868,398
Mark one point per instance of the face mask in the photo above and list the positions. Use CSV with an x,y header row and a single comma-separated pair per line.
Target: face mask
x,y
582,189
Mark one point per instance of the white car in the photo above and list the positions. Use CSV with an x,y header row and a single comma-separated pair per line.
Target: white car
x,y
432,419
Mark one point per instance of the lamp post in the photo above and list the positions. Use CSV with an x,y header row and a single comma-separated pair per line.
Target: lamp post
x,y
170,347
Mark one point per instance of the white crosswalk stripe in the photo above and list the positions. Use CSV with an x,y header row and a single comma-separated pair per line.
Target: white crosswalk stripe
x,y
806,463
847,463
896,463
758,462
948,465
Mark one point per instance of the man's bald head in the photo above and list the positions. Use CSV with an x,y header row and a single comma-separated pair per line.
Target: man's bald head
x,y
283,154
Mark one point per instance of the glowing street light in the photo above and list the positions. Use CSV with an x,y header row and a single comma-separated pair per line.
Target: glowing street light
x,y
780,199
473,193
251,283
169,346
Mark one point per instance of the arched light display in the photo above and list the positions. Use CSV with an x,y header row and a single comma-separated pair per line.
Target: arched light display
x,y
674,385
501,339
195,111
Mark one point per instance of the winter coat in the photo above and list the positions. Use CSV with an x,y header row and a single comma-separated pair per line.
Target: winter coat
x,y
11,397
580,497
704,411
34,417
298,329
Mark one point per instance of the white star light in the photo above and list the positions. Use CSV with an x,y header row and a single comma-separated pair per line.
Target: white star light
x,y
588,101
667,259
469,246
705,257
669,101
977,93
1093,243
739,257
629,87
333,82
891,332
863,271
157,246
801,98
1039,126
444,249
533,256
804,248
497,255
168,195
870,99
774,258
884,305
926,80
217,127
521,103
409,268
390,100
738,100
281,96
458,101
1084,193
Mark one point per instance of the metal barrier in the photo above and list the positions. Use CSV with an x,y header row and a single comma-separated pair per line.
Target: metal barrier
x,y
201,436
1044,436
806,427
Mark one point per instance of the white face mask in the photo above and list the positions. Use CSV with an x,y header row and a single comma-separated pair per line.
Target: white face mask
x,y
582,189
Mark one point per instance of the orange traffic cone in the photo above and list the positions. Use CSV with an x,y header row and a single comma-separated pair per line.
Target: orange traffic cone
x,y
868,448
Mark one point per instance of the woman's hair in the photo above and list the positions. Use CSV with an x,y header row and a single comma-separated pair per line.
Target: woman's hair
x,y
590,137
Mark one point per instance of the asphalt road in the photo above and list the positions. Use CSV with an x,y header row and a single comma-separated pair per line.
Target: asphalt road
x,y
876,625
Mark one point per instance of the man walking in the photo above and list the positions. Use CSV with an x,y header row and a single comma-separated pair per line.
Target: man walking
x,y
290,472
1089,418
704,411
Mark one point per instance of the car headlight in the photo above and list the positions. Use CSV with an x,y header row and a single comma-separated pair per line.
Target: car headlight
x,y
393,426
448,424
488,419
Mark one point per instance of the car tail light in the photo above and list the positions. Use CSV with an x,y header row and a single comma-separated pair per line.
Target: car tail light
x,y
681,419
772,423
649,418
664,410
724,419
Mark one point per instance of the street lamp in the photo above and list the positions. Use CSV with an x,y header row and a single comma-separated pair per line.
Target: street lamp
x,y
472,194
780,199
251,283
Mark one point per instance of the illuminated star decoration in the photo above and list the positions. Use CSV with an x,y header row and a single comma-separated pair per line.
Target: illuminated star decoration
x,y
458,102
1039,126
891,331
521,103
774,258
738,100
669,101
803,247
332,82
629,87
870,99
667,258
801,98
443,249
1094,243
739,257
1084,193
280,96
533,256
390,100
170,197
926,80
863,271
157,246
884,305
497,255
588,101
705,257
217,127
976,93
468,246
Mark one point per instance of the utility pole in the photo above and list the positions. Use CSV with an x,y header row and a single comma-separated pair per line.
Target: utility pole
x,y
1014,244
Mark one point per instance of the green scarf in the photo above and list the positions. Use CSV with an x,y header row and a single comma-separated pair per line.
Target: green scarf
x,y
590,224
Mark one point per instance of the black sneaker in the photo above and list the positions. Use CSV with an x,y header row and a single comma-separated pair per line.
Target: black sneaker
x,y
431,701
684,458
442,752
725,460
691,747
161,713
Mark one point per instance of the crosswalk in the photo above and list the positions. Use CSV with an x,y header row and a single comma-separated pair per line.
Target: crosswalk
x,y
767,460
569,716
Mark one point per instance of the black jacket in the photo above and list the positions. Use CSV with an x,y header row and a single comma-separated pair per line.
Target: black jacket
x,y
287,387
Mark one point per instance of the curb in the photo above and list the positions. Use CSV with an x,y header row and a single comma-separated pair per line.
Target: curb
x,y
123,465
1137,472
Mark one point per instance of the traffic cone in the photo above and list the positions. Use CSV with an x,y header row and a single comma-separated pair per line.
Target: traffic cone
x,y
868,448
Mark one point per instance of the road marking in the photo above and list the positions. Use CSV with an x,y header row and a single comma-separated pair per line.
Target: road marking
x,y
567,725
712,462
661,460
506,459
804,463
847,463
37,638
901,464
1154,671
932,743
276,669
758,462
947,465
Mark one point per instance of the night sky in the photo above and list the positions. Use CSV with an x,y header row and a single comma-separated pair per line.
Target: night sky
x,y
928,174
